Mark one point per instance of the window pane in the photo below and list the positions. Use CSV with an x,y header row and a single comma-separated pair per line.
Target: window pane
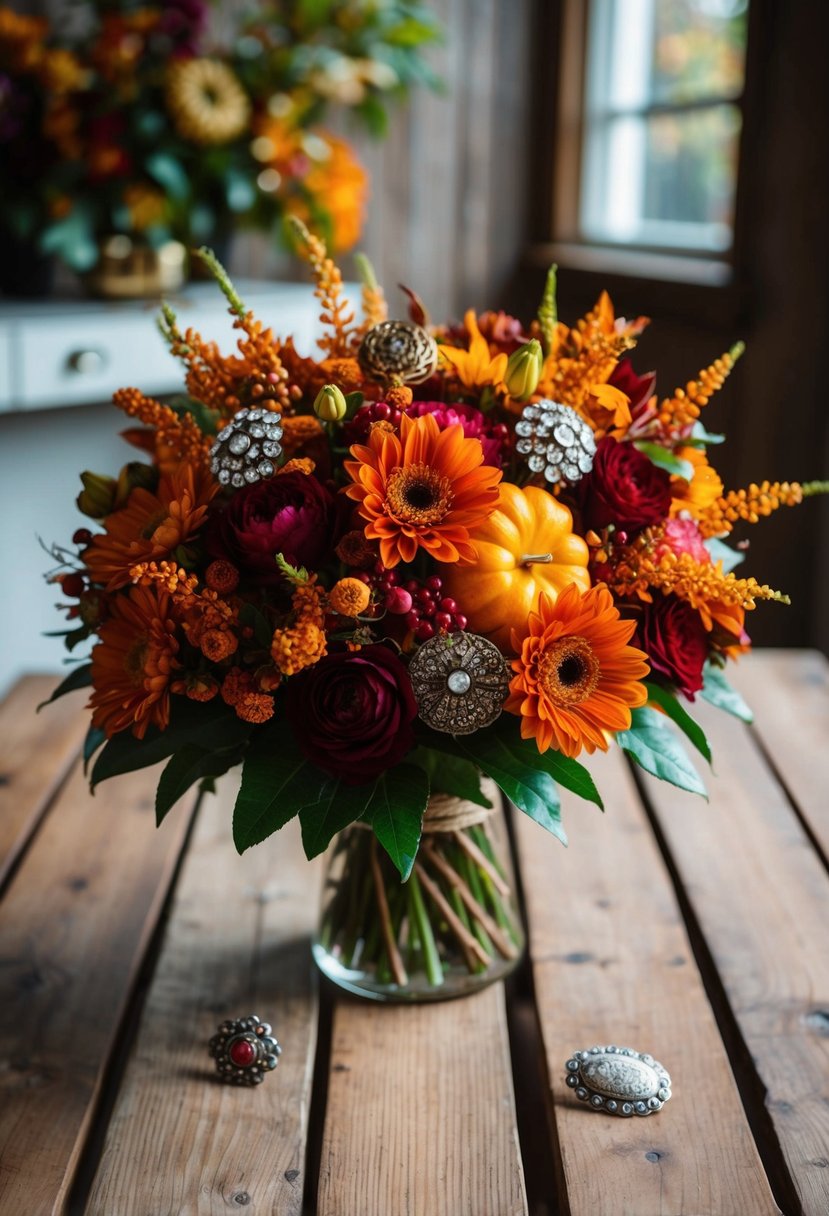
x,y
662,123
666,180
699,49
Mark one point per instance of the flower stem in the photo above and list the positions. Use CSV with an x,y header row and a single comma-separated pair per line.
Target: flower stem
x,y
431,958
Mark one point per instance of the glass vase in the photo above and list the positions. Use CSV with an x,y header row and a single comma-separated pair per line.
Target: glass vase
x,y
452,928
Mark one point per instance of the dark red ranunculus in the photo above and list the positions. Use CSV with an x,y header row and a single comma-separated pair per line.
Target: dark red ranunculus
x,y
673,636
292,514
352,713
624,488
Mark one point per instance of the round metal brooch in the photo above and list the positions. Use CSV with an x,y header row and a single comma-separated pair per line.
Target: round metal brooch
x,y
618,1080
244,1051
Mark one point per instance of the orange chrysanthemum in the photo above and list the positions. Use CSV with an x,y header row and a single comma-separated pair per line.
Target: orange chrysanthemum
x,y
150,527
133,662
423,490
576,677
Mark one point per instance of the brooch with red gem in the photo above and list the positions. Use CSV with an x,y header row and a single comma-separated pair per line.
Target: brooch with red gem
x,y
244,1051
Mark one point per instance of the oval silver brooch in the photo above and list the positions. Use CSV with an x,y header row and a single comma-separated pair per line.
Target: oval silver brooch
x,y
618,1080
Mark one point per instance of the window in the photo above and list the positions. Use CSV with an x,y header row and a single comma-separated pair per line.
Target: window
x,y
660,124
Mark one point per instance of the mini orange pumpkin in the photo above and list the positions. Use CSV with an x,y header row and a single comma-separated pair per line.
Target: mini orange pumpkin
x,y
526,546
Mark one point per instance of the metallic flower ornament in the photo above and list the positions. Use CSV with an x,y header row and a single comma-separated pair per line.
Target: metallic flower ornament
x,y
460,682
206,101
555,441
619,1080
398,351
247,448
244,1051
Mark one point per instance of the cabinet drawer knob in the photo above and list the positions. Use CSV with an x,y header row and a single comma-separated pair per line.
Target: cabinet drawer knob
x,y
86,362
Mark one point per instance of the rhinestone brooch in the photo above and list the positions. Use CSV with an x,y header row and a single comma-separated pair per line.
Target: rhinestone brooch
x,y
246,449
618,1080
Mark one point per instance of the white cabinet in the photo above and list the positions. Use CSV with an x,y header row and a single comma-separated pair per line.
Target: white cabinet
x,y
77,352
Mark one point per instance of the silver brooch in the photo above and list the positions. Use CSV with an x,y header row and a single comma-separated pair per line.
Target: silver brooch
x,y
555,441
460,682
244,1051
246,449
619,1080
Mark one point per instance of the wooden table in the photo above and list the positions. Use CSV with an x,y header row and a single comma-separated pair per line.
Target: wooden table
x,y
695,931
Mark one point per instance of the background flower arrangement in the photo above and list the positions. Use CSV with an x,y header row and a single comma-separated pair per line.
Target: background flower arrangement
x,y
136,126
430,554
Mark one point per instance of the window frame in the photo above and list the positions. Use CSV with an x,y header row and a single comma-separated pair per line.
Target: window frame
x,y
716,280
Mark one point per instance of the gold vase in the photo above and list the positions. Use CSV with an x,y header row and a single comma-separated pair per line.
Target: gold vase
x,y
129,270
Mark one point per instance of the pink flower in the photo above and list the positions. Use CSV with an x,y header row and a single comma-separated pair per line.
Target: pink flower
x,y
475,425
683,536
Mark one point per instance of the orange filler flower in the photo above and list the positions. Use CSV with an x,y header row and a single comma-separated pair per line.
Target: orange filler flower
x,y
575,676
133,662
423,490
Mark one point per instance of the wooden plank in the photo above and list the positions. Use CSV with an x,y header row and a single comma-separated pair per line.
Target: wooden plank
x,y
74,926
612,964
421,1114
789,693
759,892
35,756
237,943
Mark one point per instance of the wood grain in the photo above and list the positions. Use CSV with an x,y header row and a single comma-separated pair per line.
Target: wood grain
x,y
237,943
789,693
612,964
35,756
760,893
74,925
420,1116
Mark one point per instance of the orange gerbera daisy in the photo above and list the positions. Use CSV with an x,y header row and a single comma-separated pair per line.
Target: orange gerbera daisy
x,y
423,490
133,662
576,677
151,525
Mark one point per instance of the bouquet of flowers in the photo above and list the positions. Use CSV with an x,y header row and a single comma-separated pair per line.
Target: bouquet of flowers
x,y
427,555
130,127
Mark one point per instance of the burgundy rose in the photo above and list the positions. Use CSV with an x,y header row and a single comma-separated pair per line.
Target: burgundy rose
x,y
624,488
637,389
675,640
352,713
292,514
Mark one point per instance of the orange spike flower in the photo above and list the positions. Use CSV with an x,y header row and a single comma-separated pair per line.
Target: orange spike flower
x,y
476,367
151,526
133,662
423,490
575,676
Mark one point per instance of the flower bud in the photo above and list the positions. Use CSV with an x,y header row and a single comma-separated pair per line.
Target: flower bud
x,y
524,370
330,405
97,497
134,474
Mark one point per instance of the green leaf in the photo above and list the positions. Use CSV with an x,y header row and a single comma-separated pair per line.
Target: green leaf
x,y
719,692
395,811
212,725
663,458
79,677
337,806
72,239
656,749
276,783
700,438
94,738
170,174
187,767
657,695
569,773
721,552
450,774
373,113
531,789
